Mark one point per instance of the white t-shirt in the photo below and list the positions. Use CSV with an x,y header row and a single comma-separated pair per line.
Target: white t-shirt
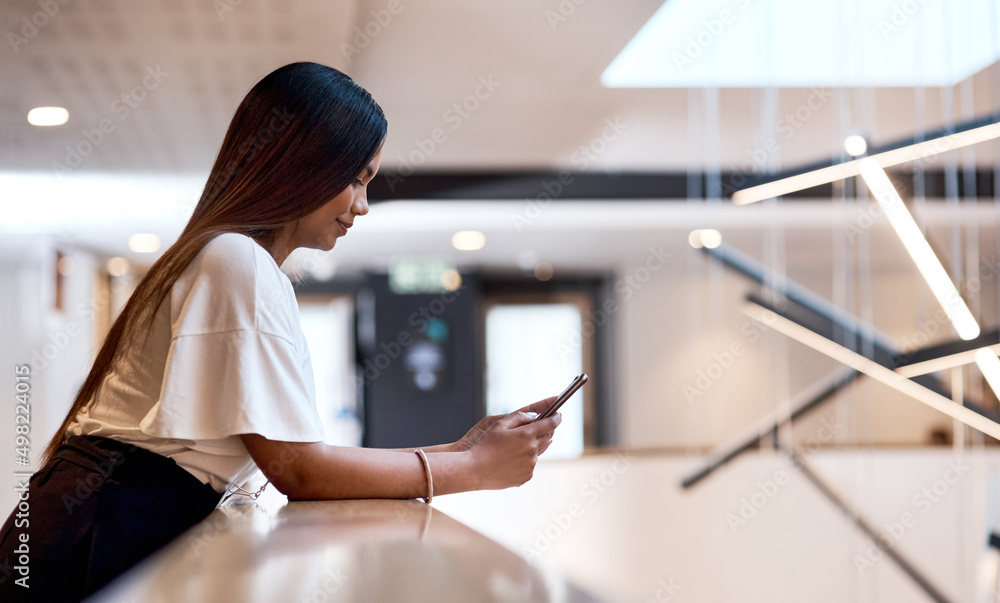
x,y
226,356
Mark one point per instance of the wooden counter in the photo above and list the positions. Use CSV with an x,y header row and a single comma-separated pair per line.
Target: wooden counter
x,y
362,550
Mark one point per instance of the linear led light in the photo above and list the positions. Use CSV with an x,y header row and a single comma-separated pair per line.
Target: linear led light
x,y
946,362
848,169
985,358
989,364
918,247
872,369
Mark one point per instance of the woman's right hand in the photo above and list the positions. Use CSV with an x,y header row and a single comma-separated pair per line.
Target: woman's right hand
x,y
505,453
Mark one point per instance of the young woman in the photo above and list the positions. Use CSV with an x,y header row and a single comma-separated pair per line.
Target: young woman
x,y
206,371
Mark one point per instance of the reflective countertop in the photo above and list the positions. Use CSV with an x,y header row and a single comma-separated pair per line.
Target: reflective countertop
x,y
359,550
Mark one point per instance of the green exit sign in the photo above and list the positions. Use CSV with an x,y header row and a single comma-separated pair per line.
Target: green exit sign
x,y
421,275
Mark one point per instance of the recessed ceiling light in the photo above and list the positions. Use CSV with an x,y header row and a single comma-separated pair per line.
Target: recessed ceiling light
x,y
468,240
144,243
705,237
451,279
65,266
117,266
544,271
48,116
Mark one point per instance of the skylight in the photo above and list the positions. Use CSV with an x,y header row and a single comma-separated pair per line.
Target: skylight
x,y
791,43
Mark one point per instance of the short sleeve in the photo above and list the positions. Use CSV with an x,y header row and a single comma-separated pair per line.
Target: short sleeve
x,y
223,384
238,362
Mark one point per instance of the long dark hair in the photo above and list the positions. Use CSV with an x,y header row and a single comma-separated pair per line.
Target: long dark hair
x,y
301,135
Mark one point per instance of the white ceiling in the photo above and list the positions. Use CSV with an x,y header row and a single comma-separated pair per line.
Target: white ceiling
x,y
421,60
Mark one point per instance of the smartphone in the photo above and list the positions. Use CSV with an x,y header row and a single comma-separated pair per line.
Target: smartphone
x,y
569,391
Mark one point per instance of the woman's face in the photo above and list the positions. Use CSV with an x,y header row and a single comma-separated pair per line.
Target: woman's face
x,y
322,228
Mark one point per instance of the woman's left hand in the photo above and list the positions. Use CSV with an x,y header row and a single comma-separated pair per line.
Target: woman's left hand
x,y
469,439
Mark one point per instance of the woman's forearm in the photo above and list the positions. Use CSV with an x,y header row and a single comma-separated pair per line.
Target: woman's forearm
x,y
435,448
499,452
310,471
373,473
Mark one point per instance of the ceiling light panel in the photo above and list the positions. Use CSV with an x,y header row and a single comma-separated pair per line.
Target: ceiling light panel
x,y
763,43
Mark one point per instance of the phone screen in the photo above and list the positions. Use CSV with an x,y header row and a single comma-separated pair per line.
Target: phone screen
x,y
575,385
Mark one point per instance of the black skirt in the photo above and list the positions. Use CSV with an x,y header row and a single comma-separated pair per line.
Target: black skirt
x,y
94,510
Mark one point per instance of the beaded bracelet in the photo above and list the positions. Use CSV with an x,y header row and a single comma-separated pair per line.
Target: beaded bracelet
x,y
427,471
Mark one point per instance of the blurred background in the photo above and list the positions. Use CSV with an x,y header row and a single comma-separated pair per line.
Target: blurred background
x,y
556,197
